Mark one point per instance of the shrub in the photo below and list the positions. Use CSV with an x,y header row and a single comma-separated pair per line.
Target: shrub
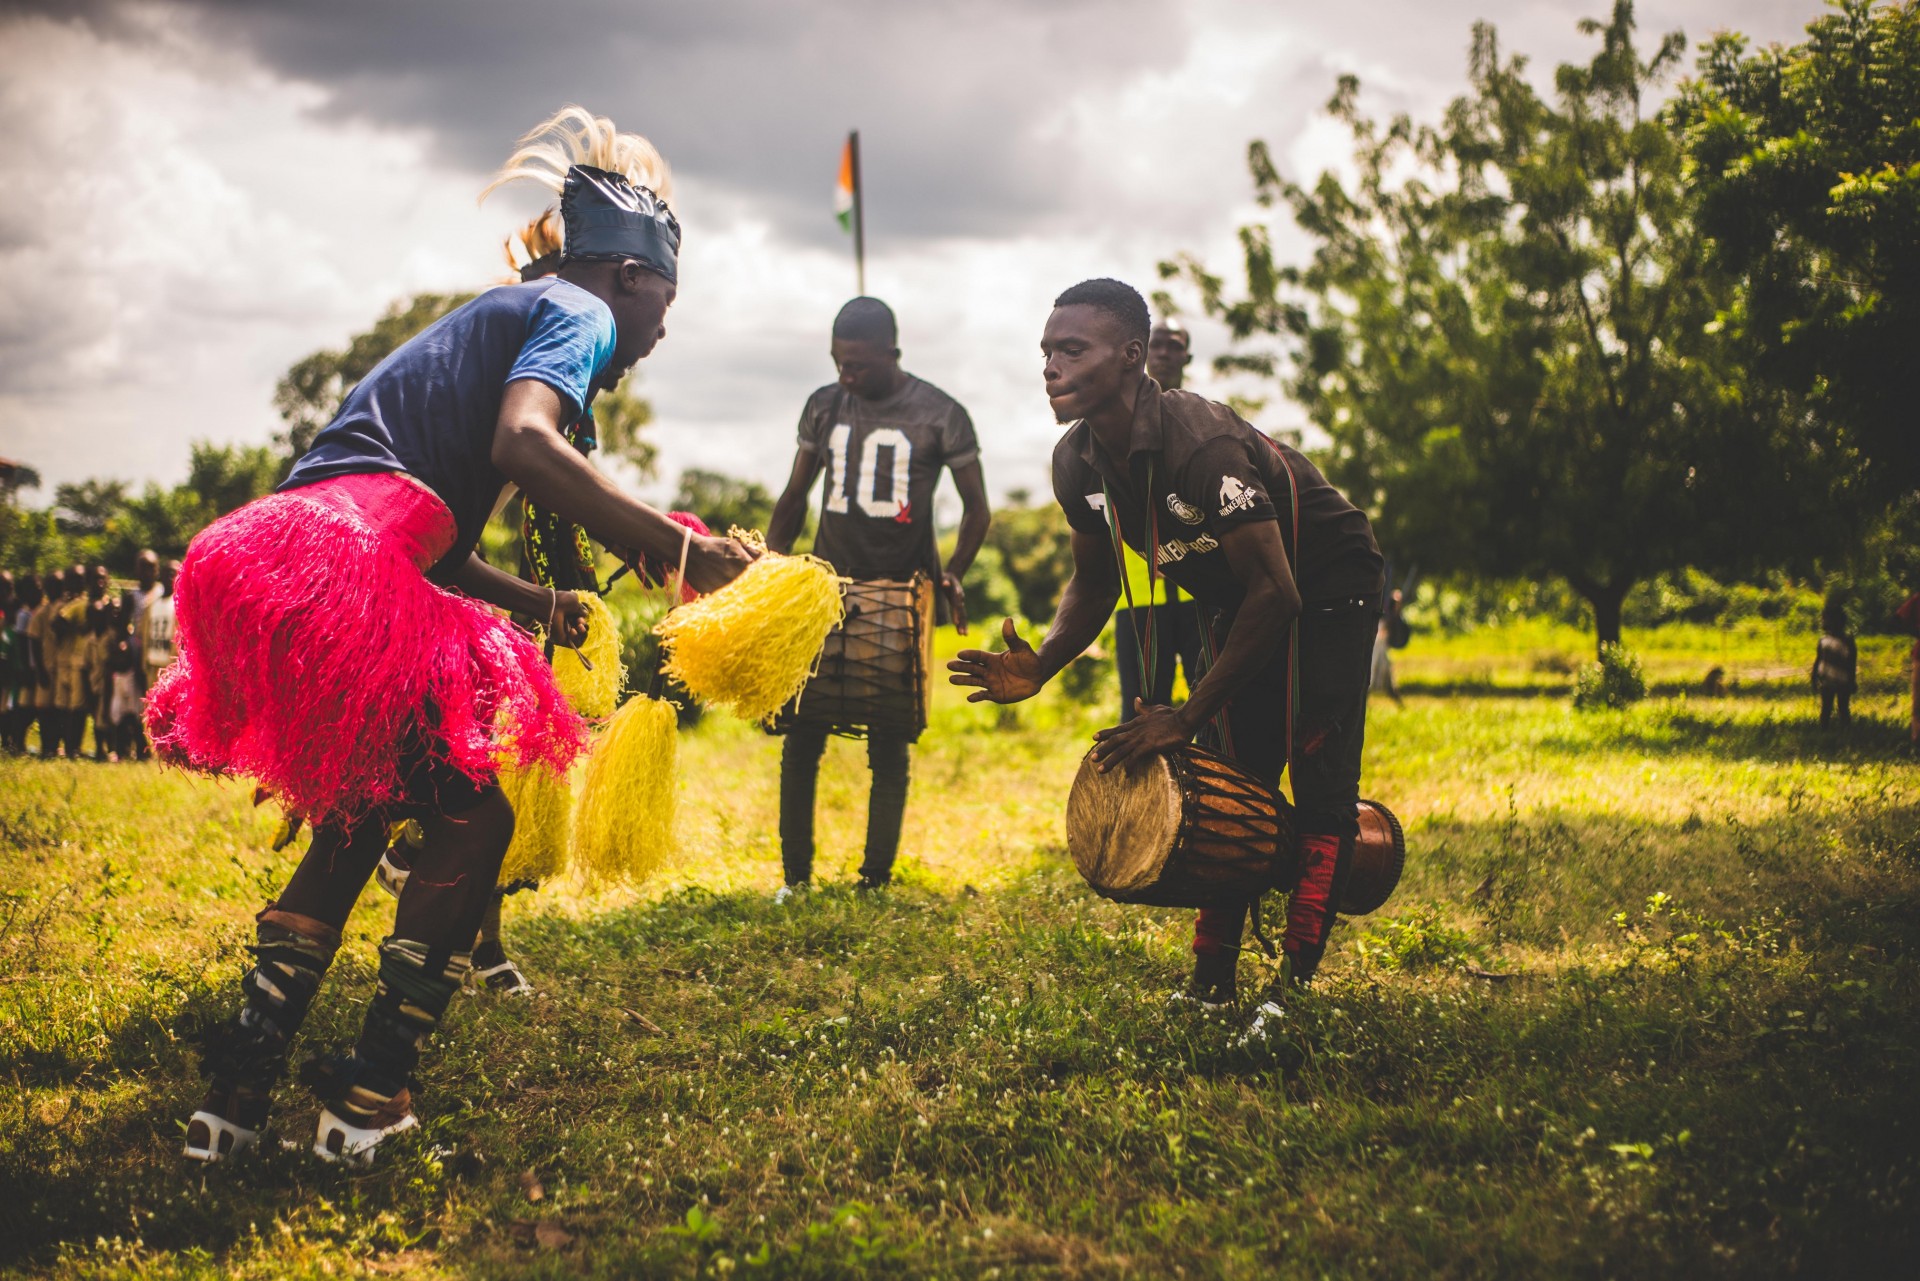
x,y
1418,940
1614,680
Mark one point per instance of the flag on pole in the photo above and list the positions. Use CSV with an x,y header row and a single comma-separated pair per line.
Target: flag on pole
x,y
843,189
849,205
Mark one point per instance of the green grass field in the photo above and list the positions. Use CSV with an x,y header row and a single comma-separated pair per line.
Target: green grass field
x,y
1647,1003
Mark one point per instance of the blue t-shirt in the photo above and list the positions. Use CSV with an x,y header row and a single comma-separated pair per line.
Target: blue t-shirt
x,y
429,409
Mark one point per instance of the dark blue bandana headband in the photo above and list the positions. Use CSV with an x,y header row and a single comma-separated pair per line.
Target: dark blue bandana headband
x,y
608,218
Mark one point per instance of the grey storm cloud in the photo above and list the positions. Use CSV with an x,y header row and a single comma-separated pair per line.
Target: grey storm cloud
x,y
749,96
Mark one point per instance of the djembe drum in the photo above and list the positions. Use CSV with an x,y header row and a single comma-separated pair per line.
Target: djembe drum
x,y
1192,829
874,667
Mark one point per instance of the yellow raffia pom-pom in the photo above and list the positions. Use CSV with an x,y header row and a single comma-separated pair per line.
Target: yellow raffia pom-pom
x,y
751,646
623,826
542,823
594,694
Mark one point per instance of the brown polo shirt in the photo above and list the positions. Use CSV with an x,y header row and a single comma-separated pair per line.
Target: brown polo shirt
x,y
1193,470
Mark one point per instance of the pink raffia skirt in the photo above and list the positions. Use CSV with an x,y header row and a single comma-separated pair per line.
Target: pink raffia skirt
x,y
316,657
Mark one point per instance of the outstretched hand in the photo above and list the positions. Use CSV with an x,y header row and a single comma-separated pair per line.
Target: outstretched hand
x,y
1153,731
1006,677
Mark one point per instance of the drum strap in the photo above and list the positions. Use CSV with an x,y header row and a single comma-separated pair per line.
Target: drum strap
x,y
1144,652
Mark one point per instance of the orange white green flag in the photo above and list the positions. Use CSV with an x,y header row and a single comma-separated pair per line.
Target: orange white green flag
x,y
843,189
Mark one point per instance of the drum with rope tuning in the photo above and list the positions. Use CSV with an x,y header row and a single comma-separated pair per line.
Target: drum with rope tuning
x,y
875,666
1192,829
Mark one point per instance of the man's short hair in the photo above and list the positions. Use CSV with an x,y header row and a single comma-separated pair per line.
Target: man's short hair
x,y
867,320
1115,297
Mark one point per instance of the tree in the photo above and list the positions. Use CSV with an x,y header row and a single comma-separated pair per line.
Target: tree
x,y
1507,327
1034,548
224,477
1807,160
309,394
724,501
621,417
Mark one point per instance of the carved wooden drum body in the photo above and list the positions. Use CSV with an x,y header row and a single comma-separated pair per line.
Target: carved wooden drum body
x,y
1193,829
875,666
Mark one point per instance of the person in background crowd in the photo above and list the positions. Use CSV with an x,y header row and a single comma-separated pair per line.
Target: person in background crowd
x,y
69,662
22,681
153,635
45,655
1909,614
1175,619
1835,660
102,615
135,603
1384,638
10,643
124,702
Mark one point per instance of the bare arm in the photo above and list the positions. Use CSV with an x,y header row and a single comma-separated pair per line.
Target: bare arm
x,y
976,516
529,450
790,512
1258,558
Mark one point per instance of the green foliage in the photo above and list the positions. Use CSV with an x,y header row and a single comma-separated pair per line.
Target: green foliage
x,y
100,522
1808,160
621,418
1612,680
1506,327
1691,1052
1418,941
724,501
1031,547
309,394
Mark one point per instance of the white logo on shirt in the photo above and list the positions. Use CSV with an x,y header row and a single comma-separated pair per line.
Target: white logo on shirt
x,y
1178,551
1235,496
1098,502
1183,509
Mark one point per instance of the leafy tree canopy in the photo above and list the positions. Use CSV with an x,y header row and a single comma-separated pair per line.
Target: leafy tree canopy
x,y
1808,163
1508,328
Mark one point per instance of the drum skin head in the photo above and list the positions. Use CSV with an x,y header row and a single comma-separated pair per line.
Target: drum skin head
x,y
1121,825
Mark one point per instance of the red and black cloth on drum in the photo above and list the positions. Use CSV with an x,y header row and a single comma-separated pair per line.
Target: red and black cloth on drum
x,y
882,460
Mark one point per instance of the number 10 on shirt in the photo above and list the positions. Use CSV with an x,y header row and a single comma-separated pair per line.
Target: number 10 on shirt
x,y
867,486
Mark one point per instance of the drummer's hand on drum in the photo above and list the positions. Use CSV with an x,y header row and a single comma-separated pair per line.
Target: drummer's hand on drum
x,y
999,678
712,563
1153,731
956,601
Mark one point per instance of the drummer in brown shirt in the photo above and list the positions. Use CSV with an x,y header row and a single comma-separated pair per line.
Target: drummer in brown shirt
x,y
1255,534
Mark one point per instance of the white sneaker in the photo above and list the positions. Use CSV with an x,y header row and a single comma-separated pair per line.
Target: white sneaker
x,y
788,893
212,1138
1266,1021
343,1144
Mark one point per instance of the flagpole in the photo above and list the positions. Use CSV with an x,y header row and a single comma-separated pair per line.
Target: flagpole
x,y
859,215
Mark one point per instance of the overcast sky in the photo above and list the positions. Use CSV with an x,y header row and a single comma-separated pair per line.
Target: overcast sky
x,y
195,195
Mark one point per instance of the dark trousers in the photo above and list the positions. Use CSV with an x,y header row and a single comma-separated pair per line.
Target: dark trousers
x,y
1836,700
452,878
887,756
1176,637
1336,660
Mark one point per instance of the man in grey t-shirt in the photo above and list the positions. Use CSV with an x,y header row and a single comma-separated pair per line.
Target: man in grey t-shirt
x,y
881,437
